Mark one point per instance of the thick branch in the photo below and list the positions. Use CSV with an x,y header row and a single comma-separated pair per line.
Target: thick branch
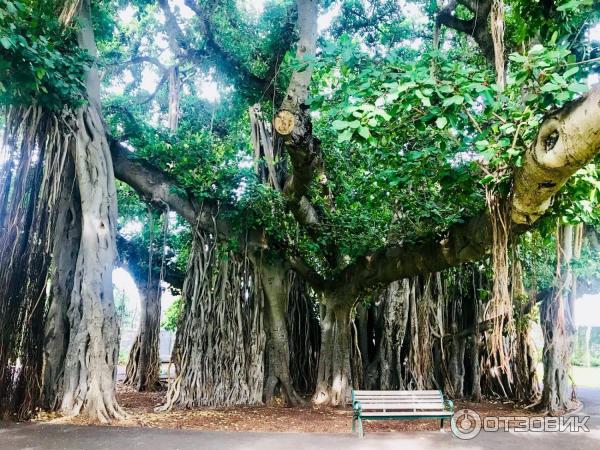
x,y
568,139
462,243
150,182
476,27
293,123
155,186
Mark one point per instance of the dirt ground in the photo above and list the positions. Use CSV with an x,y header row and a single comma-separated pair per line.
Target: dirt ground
x,y
140,407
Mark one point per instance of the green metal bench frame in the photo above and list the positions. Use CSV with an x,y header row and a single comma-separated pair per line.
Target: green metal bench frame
x,y
357,414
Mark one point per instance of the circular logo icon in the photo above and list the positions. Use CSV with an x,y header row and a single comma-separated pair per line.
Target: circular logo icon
x,y
466,424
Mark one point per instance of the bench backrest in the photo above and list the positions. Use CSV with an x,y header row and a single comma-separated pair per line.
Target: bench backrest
x,y
399,400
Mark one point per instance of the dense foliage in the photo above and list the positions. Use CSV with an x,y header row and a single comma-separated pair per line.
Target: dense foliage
x,y
38,59
411,135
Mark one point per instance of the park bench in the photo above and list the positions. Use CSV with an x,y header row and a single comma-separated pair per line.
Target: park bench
x,y
395,405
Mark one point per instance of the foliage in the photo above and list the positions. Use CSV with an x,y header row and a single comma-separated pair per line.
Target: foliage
x,y
411,136
172,315
39,59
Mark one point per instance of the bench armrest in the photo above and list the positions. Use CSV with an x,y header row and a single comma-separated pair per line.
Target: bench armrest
x,y
449,405
356,407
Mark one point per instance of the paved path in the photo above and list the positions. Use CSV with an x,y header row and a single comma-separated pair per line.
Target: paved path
x,y
55,437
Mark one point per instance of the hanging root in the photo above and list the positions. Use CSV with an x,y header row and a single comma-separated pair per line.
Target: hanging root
x,y
500,306
220,343
304,335
35,152
497,29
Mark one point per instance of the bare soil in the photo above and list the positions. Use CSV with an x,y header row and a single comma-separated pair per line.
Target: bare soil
x,y
140,407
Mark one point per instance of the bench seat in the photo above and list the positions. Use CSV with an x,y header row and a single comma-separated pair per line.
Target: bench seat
x,y
399,405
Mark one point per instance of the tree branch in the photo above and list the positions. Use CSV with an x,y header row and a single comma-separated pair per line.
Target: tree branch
x,y
477,27
293,123
546,168
567,140
150,182
139,60
159,86
226,61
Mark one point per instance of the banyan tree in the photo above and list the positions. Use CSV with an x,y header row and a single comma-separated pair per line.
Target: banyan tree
x,y
364,200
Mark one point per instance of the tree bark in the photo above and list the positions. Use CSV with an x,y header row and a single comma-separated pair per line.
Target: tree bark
x,y
385,372
567,140
90,364
143,365
334,378
174,88
275,285
220,343
557,320
65,251
588,338
304,333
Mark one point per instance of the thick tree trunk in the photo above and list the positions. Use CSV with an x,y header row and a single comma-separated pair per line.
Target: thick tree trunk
x,y
556,317
32,179
385,371
334,375
143,366
90,363
475,366
65,252
456,365
278,379
220,344
89,377
419,366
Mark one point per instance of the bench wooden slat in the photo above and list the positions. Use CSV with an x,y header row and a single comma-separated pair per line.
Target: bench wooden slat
x,y
408,414
396,392
399,400
402,406
436,397
399,396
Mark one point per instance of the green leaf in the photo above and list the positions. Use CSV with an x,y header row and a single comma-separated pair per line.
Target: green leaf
x,y
6,43
339,124
573,4
364,132
345,136
381,113
578,88
454,100
570,72
441,122
516,57
549,87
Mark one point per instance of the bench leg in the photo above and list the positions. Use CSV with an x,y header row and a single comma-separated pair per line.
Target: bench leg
x,y
353,424
360,428
442,425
